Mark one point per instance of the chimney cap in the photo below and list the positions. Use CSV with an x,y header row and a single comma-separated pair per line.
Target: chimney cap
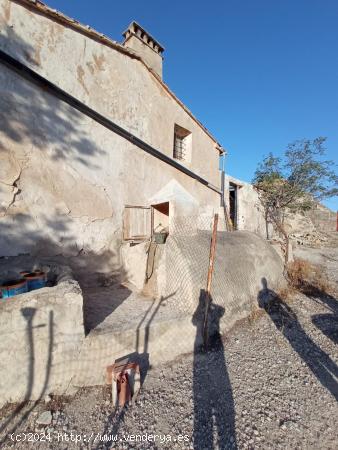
x,y
135,29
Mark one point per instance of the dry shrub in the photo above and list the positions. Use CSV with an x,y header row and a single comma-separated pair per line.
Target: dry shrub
x,y
255,315
287,293
57,402
307,278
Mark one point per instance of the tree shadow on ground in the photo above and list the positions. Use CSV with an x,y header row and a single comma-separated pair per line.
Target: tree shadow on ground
x,y
214,411
286,321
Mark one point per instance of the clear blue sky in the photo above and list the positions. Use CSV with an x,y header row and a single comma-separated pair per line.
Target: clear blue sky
x,y
258,73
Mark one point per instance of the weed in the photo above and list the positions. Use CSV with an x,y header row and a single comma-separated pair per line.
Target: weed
x,y
307,278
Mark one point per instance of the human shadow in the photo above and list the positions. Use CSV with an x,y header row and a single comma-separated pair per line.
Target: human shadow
x,y
326,323
286,321
214,410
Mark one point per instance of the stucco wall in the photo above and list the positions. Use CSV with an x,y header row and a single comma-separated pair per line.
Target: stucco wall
x,y
64,179
250,213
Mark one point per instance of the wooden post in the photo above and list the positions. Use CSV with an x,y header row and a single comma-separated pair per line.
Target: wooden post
x,y
209,279
337,222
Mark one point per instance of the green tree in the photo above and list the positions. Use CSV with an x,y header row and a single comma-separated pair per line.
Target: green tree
x,y
294,182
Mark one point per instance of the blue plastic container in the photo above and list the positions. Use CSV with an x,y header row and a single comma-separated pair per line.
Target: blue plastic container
x,y
35,280
13,287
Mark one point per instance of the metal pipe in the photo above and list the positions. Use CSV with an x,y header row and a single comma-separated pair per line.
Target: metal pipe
x,y
32,76
223,202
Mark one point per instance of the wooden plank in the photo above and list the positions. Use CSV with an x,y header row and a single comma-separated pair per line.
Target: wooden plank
x,y
136,223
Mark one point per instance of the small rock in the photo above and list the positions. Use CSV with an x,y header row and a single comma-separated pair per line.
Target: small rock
x,y
44,419
48,399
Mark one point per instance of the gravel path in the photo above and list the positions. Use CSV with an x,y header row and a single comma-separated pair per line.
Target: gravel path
x,y
272,383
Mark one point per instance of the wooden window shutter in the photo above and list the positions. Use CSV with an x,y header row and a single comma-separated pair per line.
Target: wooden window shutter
x,y
137,223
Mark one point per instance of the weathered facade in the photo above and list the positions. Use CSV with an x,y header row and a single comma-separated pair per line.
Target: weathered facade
x,y
66,179
97,154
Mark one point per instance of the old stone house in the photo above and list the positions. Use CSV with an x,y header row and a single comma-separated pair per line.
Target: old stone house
x,y
96,150
97,153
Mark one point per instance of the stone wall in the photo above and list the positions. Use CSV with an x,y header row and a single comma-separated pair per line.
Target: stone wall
x,y
323,218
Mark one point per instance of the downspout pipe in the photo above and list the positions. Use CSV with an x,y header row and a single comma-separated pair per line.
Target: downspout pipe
x,y
222,168
223,202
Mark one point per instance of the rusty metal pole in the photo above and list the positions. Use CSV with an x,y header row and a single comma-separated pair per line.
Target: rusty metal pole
x,y
209,279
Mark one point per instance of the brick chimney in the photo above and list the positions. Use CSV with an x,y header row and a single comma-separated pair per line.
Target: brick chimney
x,y
138,39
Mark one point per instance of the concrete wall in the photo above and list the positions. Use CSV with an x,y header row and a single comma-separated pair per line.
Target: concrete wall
x,y
41,336
64,179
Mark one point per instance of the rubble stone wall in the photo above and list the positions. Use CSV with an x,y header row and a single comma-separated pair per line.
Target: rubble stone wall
x,y
323,218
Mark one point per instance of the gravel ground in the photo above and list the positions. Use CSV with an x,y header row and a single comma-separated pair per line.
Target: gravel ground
x,y
272,383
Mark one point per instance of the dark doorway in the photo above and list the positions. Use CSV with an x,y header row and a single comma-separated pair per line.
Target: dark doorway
x,y
233,203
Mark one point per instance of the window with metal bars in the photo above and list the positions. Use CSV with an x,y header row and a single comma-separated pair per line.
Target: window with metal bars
x,y
181,143
179,147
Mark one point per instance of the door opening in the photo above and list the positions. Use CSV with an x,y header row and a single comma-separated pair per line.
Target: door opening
x,y
233,204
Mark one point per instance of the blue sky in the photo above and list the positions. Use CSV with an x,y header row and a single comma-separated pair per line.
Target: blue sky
x,y
258,73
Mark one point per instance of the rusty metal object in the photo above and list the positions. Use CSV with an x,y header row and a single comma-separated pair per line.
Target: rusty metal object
x,y
123,388
124,378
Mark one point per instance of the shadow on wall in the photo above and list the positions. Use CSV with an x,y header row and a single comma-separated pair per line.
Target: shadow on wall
x,y
30,115
33,121
21,412
55,237
285,320
91,269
